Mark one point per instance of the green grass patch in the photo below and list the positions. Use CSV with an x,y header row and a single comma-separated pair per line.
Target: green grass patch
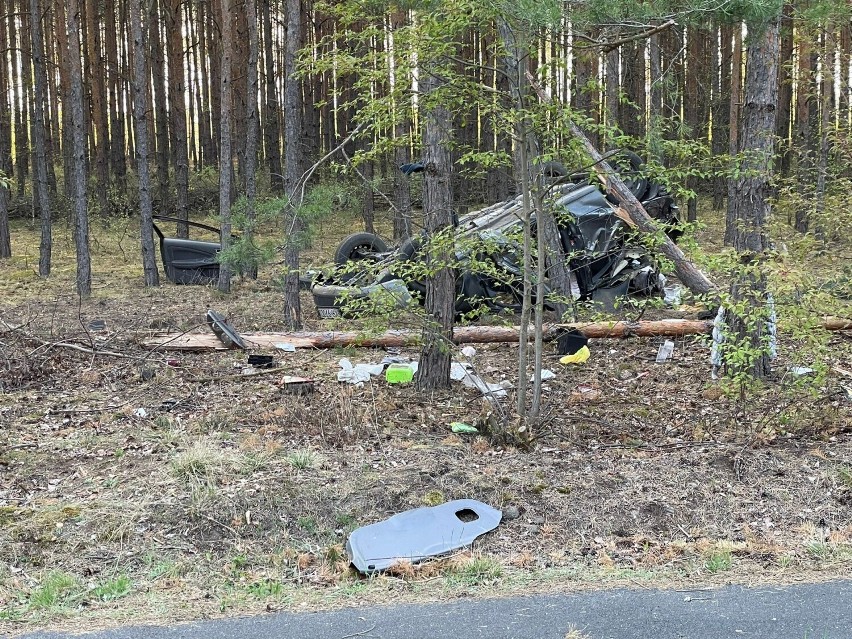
x,y
55,591
113,589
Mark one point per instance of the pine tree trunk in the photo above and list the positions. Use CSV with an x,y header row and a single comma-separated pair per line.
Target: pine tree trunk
x,y
751,194
785,93
226,165
177,104
734,128
402,153
807,126
78,121
292,166
118,162
721,113
41,195
583,91
96,74
825,126
436,354
161,118
612,92
140,121
634,111
19,70
5,143
272,125
252,126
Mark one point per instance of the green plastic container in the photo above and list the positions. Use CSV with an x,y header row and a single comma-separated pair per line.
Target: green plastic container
x,y
399,374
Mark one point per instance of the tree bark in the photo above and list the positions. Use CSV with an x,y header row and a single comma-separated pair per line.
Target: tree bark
x,y
140,121
199,342
272,126
226,164
807,126
785,92
41,194
435,354
752,193
461,335
292,167
177,111
81,212
721,112
734,120
633,111
5,144
161,118
118,162
64,95
252,129
96,83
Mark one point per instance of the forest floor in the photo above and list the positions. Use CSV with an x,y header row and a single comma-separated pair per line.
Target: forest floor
x,y
156,487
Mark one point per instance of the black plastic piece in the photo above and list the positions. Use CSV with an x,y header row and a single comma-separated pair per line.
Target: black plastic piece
x,y
226,334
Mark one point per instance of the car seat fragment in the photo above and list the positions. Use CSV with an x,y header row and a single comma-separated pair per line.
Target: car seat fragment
x,y
420,534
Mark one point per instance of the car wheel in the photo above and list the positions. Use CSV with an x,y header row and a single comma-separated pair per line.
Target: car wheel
x,y
356,246
636,183
554,169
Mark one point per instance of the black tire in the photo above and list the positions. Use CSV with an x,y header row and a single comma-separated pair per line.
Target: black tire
x,y
554,169
352,248
637,184
410,247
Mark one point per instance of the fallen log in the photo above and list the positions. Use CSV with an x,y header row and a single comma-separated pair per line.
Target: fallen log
x,y
461,335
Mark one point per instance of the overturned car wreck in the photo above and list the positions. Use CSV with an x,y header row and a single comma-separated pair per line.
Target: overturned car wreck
x,y
605,259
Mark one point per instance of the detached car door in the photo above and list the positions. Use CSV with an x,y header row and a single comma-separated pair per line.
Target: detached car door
x,y
188,261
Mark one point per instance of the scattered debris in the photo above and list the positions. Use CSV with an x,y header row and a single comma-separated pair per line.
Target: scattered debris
x,y
261,361
665,352
141,413
547,374
297,385
579,357
462,428
461,372
97,325
570,342
286,347
397,373
800,371
420,534
226,334
359,373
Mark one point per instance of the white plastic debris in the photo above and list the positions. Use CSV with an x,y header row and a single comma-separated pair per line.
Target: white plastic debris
x,y
474,381
286,347
799,371
547,374
665,352
468,351
141,413
457,371
357,374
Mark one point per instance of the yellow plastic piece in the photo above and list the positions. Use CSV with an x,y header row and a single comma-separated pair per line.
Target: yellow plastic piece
x,y
577,358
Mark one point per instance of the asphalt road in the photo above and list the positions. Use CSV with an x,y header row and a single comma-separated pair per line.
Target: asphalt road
x,y
811,611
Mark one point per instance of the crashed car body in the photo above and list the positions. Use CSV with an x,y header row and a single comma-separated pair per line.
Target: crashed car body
x,y
604,262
